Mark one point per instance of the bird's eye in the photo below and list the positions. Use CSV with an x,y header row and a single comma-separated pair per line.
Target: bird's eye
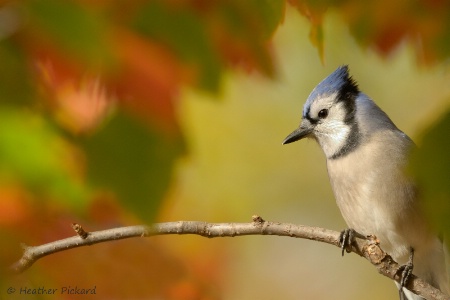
x,y
323,113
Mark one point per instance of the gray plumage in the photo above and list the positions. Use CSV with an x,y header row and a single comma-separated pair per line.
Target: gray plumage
x,y
366,156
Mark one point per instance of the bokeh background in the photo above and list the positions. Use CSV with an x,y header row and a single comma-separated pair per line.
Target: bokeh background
x,y
115,114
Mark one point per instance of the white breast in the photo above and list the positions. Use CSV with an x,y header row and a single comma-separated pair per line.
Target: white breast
x,y
374,195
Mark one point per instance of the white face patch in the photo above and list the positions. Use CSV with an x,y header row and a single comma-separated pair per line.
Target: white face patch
x,y
332,132
332,136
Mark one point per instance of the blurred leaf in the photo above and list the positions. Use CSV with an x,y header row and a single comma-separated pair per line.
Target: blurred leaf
x,y
442,44
72,27
134,162
244,29
261,17
271,14
314,12
32,153
431,167
149,80
15,80
185,33
384,25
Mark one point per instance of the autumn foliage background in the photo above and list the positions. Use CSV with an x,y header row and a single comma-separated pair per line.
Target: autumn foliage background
x,y
115,113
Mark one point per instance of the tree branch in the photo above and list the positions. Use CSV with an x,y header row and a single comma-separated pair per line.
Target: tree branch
x,y
368,249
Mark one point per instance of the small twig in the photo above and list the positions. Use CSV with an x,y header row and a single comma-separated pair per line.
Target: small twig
x,y
367,248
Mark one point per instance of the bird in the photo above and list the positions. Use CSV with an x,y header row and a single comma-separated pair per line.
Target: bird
x,y
366,156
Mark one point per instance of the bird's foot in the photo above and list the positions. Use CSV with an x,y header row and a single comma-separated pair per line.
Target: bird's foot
x,y
346,239
405,274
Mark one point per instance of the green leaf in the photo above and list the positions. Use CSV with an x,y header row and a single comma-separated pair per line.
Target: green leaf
x,y
270,12
431,167
185,33
442,42
133,161
15,84
33,154
73,27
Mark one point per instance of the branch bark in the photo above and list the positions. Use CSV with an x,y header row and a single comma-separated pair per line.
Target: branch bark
x,y
368,248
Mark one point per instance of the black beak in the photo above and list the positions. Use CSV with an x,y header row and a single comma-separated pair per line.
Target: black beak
x,y
302,131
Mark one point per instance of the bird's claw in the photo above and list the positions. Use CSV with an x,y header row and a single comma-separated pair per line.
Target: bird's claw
x,y
405,274
346,239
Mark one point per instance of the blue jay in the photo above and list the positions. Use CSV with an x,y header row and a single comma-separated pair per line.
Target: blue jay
x,y
366,155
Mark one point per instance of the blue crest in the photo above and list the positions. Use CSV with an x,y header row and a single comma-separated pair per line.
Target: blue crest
x,y
339,82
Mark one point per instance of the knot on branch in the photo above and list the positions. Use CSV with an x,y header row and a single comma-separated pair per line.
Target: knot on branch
x,y
258,220
373,251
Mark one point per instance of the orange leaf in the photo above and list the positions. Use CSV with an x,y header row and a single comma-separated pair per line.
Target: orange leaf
x,y
148,78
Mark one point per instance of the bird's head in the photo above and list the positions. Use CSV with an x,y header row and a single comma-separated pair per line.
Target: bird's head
x,y
329,115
